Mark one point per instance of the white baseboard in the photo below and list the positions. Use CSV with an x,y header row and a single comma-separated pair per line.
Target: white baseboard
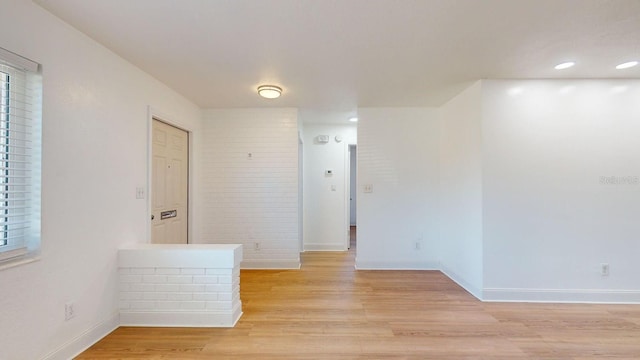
x,y
397,265
181,319
476,292
324,247
561,295
270,264
81,343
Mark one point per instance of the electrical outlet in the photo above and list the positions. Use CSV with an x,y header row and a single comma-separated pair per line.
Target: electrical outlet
x,y
418,244
604,269
69,311
256,246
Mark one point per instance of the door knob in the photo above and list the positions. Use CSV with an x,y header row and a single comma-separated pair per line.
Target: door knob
x,y
152,217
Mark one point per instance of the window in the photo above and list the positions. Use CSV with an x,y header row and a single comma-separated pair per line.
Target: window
x,y
20,132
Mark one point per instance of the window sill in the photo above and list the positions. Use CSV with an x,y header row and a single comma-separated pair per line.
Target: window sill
x,y
18,262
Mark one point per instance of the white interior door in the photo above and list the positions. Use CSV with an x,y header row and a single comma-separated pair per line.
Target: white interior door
x,y
169,184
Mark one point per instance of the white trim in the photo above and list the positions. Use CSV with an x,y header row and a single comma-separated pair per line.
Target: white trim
x,y
396,265
324,247
561,295
182,318
300,193
18,261
85,340
270,264
153,113
476,292
346,228
13,254
18,61
355,147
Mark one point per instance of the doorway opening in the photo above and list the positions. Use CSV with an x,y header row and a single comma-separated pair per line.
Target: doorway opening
x,y
300,194
353,191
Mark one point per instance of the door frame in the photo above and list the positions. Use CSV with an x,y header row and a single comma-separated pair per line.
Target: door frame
x,y
355,188
300,193
347,192
155,114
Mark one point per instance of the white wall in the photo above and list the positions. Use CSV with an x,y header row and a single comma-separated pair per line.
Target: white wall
x,y
398,156
252,200
461,189
524,215
325,213
548,221
94,156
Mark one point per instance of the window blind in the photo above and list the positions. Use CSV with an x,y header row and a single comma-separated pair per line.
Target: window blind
x,y
19,139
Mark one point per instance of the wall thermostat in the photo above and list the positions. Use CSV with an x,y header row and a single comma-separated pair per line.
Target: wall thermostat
x,y
338,138
323,139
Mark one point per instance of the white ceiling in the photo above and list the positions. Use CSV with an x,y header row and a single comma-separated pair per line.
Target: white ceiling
x,y
337,55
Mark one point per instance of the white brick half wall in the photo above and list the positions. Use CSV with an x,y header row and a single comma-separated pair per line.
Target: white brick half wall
x,y
180,285
250,184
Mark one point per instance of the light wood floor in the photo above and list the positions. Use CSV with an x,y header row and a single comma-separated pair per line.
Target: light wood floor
x,y
327,310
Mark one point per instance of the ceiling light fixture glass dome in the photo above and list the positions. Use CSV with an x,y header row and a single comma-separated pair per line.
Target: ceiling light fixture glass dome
x,y
269,91
564,65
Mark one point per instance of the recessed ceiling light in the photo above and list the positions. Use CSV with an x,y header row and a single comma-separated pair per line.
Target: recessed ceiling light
x,y
627,65
353,119
269,91
564,65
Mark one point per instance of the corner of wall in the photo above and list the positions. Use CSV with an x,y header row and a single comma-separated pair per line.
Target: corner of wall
x,y
85,340
472,289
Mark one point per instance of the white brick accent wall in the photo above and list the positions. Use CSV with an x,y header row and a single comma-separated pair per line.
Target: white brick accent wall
x,y
180,285
165,289
252,199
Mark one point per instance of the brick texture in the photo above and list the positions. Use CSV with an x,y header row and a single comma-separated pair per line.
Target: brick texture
x,y
249,199
155,291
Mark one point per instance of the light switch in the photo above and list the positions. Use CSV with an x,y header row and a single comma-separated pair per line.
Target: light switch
x,y
139,193
368,188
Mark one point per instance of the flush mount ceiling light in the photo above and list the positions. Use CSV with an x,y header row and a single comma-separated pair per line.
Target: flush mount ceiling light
x,y
627,65
564,65
353,119
269,91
